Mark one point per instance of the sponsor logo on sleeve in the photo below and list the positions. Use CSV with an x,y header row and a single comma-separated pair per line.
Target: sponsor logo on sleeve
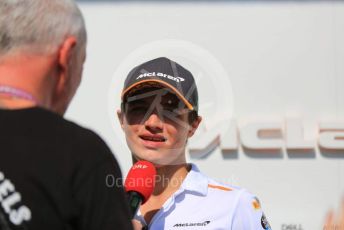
x,y
256,204
265,223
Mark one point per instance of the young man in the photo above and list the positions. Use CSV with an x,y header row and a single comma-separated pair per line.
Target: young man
x,y
159,113
52,171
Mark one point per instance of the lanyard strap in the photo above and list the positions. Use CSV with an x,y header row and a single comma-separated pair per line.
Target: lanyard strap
x,y
18,93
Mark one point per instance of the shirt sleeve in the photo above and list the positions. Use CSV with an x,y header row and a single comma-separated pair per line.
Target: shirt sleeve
x,y
249,214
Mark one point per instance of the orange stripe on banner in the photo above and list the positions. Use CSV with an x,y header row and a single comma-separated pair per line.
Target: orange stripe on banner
x,y
219,187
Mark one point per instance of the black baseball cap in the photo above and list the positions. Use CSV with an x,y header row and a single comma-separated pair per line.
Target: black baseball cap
x,y
166,73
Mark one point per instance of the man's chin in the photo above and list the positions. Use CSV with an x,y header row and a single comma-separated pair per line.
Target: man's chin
x,y
158,161
159,157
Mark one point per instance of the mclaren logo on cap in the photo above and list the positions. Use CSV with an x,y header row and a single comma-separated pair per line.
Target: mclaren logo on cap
x,y
162,75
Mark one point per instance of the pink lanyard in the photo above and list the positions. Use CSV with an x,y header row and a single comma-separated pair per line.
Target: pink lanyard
x,y
18,93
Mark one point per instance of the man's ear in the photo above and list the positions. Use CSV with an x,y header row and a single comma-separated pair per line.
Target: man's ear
x,y
194,126
65,54
120,117
61,74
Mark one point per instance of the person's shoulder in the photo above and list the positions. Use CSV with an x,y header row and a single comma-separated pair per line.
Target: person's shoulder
x,y
243,207
90,152
242,195
72,130
237,194
82,135
88,142
219,187
81,140
249,212
214,187
246,210
248,200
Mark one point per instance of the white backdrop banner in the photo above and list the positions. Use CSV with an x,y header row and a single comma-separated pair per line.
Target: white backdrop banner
x,y
270,77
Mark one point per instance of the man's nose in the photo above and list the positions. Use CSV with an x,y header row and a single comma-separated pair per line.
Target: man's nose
x,y
154,123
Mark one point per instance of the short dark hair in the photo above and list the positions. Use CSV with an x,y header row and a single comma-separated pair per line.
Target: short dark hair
x,y
192,116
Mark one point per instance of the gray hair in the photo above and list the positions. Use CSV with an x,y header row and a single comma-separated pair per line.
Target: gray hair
x,y
39,26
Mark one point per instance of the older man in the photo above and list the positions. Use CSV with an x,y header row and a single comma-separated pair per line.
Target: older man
x,y
52,171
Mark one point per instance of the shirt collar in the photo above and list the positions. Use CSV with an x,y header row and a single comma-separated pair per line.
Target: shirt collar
x,y
195,181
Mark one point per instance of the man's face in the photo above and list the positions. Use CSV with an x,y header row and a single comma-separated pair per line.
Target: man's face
x,y
155,123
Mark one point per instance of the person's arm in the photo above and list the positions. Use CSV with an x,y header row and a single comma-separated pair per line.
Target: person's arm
x,y
103,204
98,190
249,215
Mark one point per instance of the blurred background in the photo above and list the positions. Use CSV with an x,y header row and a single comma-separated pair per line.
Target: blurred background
x,y
270,75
